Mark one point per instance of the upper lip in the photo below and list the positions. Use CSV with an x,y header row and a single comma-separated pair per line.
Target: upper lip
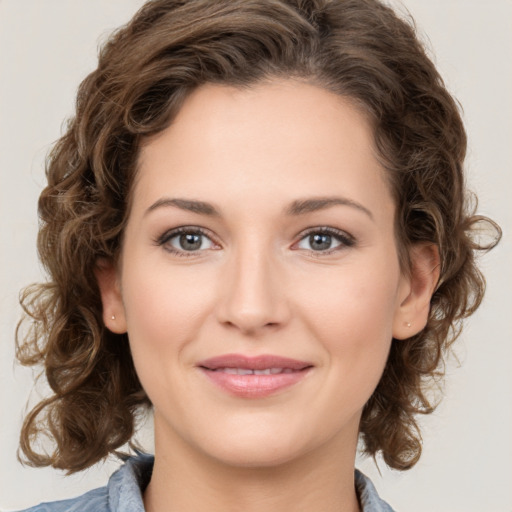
x,y
261,362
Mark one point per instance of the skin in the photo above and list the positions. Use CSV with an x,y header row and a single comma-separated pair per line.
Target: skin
x,y
257,286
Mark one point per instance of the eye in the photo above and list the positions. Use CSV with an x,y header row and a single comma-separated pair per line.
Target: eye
x,y
185,240
325,240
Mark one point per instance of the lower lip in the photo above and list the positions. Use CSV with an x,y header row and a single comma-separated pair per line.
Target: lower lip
x,y
254,386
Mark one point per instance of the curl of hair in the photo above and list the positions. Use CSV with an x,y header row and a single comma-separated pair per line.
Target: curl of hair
x,y
359,49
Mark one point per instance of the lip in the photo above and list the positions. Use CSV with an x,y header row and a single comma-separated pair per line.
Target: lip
x,y
253,385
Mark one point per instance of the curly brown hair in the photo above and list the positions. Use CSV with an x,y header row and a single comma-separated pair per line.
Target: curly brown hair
x,y
359,49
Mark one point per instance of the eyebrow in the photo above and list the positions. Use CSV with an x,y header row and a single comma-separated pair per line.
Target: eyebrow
x,y
190,205
302,206
297,207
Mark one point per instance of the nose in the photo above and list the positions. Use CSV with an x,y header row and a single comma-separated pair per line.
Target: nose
x,y
253,297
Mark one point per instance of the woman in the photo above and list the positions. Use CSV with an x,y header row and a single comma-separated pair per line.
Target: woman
x,y
257,225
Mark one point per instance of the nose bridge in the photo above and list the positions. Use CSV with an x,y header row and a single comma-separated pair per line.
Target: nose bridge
x,y
252,295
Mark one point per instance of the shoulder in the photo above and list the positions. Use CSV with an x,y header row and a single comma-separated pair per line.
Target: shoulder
x,y
92,501
368,496
122,494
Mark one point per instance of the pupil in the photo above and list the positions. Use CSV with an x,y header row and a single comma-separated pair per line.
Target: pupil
x,y
190,241
320,241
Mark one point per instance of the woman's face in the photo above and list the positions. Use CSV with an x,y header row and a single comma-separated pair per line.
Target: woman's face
x,y
260,238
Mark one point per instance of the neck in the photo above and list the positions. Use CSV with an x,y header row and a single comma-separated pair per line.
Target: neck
x,y
186,480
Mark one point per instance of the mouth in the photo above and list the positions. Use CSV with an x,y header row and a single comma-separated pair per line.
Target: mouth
x,y
251,371
253,377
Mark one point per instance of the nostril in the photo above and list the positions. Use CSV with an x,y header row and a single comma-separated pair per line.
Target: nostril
x,y
251,301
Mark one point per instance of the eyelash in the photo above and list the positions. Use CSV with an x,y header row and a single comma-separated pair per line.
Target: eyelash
x,y
342,237
169,235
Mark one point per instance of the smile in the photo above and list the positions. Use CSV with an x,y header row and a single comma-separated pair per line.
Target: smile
x,y
253,377
247,371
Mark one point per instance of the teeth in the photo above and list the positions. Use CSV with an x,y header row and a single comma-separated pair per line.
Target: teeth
x,y
246,371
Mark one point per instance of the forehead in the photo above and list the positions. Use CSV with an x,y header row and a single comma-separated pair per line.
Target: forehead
x,y
274,141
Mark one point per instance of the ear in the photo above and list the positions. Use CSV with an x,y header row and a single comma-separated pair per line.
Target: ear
x,y
113,309
416,291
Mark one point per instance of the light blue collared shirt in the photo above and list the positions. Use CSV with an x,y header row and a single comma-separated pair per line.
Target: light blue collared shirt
x,y
124,490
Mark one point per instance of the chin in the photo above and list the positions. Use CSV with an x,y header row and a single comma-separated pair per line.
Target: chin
x,y
268,446
257,455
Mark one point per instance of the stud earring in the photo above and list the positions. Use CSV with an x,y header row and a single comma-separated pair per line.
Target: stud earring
x,y
408,324
113,317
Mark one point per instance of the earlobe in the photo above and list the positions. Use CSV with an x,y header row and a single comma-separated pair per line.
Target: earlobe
x,y
412,313
113,308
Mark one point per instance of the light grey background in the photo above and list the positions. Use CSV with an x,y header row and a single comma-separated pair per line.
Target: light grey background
x,y
47,47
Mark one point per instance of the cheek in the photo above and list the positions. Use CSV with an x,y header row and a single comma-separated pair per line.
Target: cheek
x,y
164,312
352,302
352,317
163,302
